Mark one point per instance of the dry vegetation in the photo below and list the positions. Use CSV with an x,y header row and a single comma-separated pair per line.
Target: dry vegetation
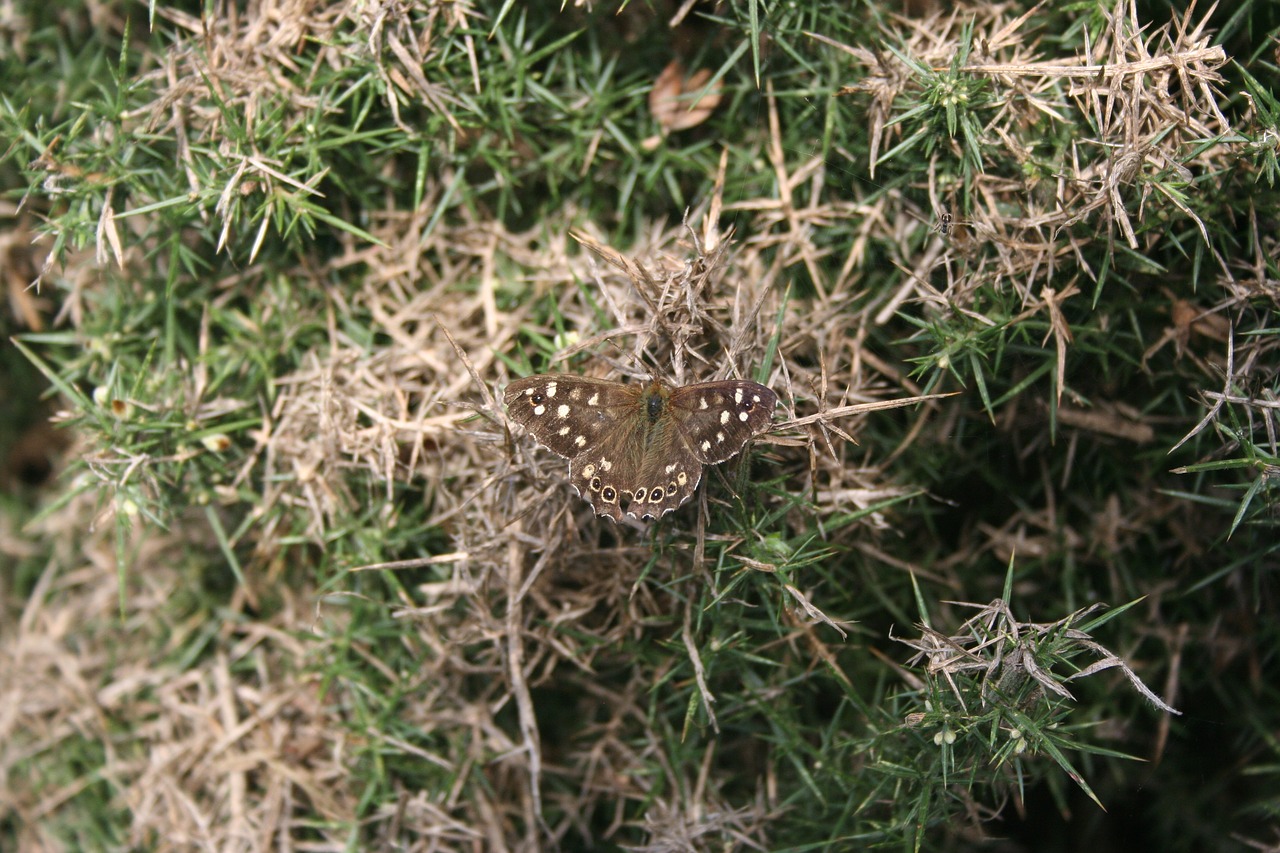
x,y
387,621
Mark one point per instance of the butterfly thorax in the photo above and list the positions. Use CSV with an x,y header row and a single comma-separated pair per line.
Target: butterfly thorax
x,y
656,430
655,397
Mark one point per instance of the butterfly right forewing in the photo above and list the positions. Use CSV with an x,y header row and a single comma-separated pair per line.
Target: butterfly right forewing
x,y
568,414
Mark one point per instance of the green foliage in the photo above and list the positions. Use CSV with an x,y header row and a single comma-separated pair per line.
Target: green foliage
x,y
283,236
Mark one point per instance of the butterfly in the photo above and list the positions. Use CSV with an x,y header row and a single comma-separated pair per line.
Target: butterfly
x,y
638,449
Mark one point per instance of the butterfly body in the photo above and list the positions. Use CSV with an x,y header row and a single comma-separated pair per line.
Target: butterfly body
x,y
638,449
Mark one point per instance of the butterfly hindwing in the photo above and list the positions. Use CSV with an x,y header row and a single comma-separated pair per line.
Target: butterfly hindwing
x,y
667,482
605,473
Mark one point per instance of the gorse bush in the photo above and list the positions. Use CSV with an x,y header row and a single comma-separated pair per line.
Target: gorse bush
x,y
296,574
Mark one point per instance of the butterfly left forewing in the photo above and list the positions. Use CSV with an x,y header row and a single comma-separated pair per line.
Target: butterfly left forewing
x,y
716,419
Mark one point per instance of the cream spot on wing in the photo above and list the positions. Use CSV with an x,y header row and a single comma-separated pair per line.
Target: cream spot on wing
x,y
539,410
706,445
594,399
564,430
670,468
580,441
737,396
606,465
551,389
575,394
755,398
702,404
719,437
563,411
588,471
682,477
742,416
724,417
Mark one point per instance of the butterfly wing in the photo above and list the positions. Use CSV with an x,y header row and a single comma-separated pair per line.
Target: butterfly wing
x,y
664,482
568,414
605,474
708,423
716,419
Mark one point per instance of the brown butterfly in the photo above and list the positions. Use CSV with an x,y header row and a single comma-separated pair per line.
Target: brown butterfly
x,y
638,449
